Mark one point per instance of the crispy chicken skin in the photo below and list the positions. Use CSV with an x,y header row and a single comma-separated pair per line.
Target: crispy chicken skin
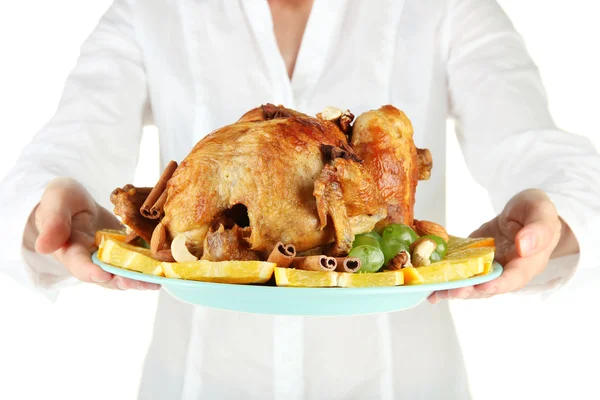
x,y
227,244
277,175
261,172
346,194
383,138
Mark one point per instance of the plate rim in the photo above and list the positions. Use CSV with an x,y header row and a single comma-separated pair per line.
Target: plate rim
x,y
494,273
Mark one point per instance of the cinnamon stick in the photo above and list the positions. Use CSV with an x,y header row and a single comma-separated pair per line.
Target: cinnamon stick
x,y
158,209
282,255
348,264
149,209
314,263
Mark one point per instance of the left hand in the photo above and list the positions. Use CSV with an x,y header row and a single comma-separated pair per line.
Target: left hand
x,y
526,233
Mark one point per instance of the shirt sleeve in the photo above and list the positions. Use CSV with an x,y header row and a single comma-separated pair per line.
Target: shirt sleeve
x,y
93,137
508,138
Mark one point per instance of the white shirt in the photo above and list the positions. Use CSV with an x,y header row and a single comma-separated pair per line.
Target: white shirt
x,y
191,66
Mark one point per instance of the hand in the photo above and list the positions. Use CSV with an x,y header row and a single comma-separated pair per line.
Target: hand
x,y
527,234
66,219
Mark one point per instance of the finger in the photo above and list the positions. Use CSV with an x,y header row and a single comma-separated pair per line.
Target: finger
x,y
55,229
475,295
538,216
126,284
76,257
461,293
148,286
120,283
517,273
62,199
438,296
432,298
53,222
538,236
110,284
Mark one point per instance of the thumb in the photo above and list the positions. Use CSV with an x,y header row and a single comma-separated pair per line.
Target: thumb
x,y
53,221
541,229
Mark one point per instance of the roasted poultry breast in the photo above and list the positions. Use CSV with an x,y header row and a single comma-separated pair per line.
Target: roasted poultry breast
x,y
280,176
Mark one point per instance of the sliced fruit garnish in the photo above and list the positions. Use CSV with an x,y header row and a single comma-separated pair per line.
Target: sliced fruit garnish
x,y
300,278
109,233
412,276
457,243
130,257
221,271
485,255
441,272
458,265
377,279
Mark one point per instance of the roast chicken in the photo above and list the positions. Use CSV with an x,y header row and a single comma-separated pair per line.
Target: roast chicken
x,y
280,176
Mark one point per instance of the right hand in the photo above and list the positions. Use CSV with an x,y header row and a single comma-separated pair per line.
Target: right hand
x,y
66,220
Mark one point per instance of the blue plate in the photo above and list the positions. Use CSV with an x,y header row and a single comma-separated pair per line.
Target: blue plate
x,y
260,299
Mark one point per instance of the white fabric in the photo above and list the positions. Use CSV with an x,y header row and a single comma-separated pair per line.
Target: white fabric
x,y
191,66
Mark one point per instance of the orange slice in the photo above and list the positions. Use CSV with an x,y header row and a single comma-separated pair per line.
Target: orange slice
x,y
484,255
458,265
221,271
109,233
376,279
457,243
127,256
412,276
300,278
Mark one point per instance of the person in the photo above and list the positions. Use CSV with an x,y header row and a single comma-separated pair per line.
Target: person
x,y
190,67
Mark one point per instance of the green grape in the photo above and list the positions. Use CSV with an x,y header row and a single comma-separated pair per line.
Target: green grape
x,y
435,257
371,257
391,248
366,239
399,232
373,234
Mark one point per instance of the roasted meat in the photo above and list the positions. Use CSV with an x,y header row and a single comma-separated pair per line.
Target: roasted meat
x,y
261,173
128,201
383,138
280,176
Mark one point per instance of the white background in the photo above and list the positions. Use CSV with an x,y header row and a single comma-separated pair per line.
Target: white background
x,y
91,343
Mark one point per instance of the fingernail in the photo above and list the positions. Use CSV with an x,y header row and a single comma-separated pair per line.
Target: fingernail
x,y
490,290
527,243
103,279
121,285
152,286
147,286
464,294
434,298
